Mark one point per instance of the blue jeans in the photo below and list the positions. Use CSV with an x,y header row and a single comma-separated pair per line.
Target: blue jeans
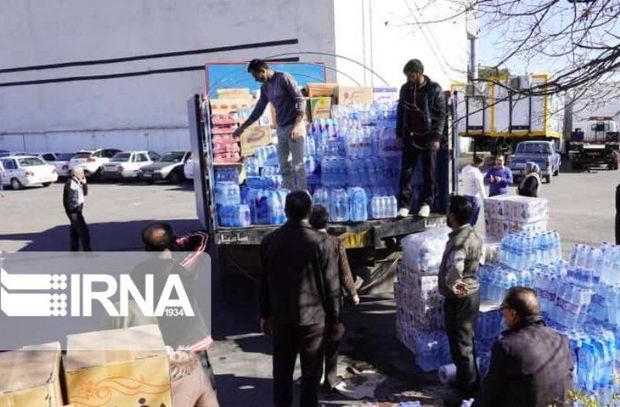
x,y
476,204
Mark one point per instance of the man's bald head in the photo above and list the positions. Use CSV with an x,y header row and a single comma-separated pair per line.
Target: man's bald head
x,y
523,301
158,237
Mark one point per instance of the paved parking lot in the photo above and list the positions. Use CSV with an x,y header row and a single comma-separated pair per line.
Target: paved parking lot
x,y
582,209
34,219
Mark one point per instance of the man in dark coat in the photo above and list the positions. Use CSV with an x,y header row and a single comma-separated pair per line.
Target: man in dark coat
x,y
531,365
420,122
73,201
299,295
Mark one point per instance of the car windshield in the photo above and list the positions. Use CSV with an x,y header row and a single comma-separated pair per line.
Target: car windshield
x,y
173,157
84,154
533,148
30,161
121,157
64,156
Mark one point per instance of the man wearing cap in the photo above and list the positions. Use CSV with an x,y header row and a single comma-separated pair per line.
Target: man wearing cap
x,y
420,121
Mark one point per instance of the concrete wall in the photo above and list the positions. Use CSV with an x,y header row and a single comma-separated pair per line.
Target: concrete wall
x,y
150,111
136,112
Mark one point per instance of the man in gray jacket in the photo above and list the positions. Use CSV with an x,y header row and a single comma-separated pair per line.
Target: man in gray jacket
x,y
458,283
73,200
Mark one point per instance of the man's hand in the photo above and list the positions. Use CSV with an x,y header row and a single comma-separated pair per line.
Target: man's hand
x,y
297,132
238,131
435,146
265,326
336,332
460,289
355,299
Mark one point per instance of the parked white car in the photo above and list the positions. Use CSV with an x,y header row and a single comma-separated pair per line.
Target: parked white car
x,y
169,167
59,160
26,171
188,168
127,164
92,161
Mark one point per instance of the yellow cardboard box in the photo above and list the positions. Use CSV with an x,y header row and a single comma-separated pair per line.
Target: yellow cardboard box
x,y
230,105
30,376
348,95
319,108
254,137
119,367
234,93
322,89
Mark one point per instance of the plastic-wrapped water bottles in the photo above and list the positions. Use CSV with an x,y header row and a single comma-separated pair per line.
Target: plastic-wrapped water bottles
x,y
339,205
358,205
234,215
227,193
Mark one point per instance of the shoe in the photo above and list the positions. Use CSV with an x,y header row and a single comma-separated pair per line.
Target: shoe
x,y
425,210
403,212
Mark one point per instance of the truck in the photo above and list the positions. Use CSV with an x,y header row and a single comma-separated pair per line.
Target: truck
x,y
595,143
543,153
372,245
499,114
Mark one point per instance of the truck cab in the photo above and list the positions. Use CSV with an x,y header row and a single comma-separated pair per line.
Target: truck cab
x,y
542,153
595,142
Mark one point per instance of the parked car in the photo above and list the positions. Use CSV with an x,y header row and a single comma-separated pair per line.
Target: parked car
x,y
26,171
188,168
92,161
169,167
127,164
7,153
59,160
62,163
542,153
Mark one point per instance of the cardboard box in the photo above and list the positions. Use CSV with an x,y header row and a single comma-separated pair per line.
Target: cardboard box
x,y
254,137
230,105
234,93
348,95
319,108
119,367
385,95
322,89
30,376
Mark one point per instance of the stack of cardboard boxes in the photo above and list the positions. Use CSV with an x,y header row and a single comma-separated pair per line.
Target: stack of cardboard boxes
x,y
510,214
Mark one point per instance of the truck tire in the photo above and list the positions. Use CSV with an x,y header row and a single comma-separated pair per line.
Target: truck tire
x,y
557,172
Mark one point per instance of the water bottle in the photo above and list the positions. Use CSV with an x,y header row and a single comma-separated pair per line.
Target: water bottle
x,y
358,205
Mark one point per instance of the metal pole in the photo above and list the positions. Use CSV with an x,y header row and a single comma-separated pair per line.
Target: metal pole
x,y
455,144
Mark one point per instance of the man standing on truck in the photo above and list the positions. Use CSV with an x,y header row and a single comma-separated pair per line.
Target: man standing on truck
x,y
280,89
420,121
498,178
299,296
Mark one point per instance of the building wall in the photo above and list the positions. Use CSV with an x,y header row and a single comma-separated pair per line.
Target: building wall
x,y
142,111
150,111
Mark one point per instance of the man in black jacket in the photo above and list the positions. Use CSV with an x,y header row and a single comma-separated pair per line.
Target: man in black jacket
x,y
531,365
299,300
420,122
73,201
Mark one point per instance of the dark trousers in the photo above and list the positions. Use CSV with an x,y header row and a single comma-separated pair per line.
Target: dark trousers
x,y
78,231
331,362
409,160
460,317
288,341
475,208
618,214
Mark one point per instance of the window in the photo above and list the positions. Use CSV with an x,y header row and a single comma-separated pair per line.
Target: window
x,y
153,156
85,154
121,157
49,157
173,157
109,153
30,161
141,158
64,156
9,164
